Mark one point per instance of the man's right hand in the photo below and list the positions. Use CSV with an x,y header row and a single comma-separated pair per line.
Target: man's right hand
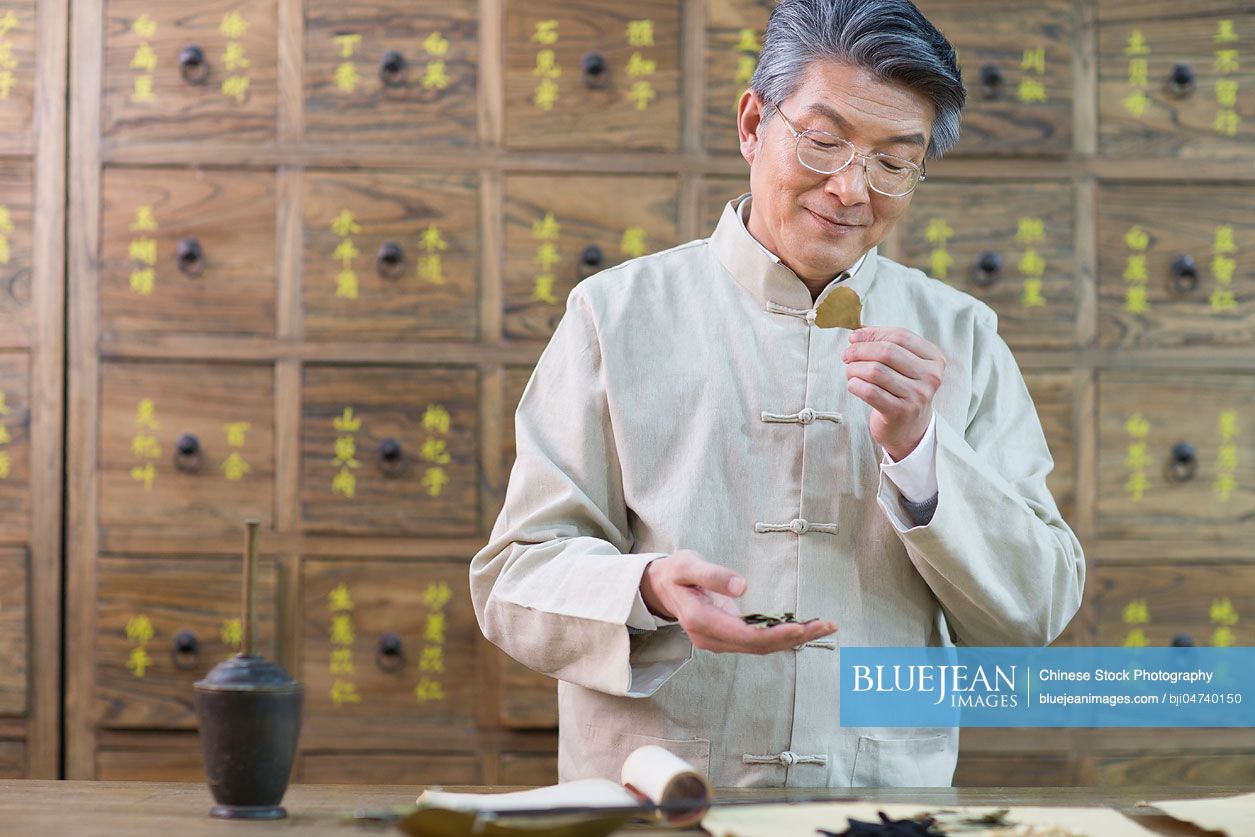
x,y
686,587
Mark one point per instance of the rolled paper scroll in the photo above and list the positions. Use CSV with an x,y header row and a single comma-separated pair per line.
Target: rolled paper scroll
x,y
664,778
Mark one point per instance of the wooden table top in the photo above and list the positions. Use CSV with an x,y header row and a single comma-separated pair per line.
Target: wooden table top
x,y
152,809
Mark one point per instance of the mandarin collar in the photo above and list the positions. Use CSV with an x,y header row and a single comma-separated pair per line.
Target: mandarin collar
x,y
762,274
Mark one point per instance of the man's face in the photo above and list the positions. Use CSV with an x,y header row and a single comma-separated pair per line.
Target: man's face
x,y
820,224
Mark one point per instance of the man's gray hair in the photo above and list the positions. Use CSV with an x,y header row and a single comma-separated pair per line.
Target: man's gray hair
x,y
890,38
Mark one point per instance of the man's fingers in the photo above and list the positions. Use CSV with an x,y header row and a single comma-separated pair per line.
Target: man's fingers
x,y
890,380
874,396
891,355
701,573
901,336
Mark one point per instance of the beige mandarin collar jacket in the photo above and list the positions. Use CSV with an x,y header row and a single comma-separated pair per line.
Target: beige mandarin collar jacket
x,y
687,400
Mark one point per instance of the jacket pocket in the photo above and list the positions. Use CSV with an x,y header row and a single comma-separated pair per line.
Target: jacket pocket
x,y
920,762
610,747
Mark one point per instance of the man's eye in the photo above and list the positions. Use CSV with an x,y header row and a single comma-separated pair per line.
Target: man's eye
x,y
893,167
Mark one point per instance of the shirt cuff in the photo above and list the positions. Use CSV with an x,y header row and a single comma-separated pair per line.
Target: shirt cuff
x,y
640,619
915,475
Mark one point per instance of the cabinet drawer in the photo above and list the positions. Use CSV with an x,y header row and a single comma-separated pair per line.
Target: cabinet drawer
x,y
388,654
186,446
592,74
1176,456
734,37
1016,62
716,192
15,498
390,255
161,625
17,75
392,71
199,73
16,258
562,229
371,768
1176,265
188,251
1180,86
14,613
1199,604
1008,244
528,768
390,450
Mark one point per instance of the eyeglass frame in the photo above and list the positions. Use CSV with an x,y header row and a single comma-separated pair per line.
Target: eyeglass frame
x,y
797,153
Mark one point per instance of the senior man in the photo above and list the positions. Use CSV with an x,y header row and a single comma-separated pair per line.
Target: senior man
x,y
694,443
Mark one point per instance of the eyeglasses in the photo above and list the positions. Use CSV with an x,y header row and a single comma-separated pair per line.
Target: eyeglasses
x,y
825,153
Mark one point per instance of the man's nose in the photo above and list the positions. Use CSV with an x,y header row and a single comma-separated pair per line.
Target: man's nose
x,y
850,184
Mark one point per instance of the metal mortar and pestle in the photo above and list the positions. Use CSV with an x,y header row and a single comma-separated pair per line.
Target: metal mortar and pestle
x,y
249,711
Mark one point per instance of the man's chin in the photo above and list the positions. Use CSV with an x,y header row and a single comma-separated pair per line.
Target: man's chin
x,y
829,265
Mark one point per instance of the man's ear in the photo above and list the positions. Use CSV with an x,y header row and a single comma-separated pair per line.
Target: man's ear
x,y
749,115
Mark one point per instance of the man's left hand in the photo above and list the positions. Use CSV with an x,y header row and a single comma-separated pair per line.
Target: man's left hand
x,y
897,373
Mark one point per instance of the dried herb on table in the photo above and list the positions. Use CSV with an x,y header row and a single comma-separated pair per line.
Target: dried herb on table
x,y
888,827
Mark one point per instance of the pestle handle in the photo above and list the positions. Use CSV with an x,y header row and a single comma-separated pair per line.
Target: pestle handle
x,y
249,626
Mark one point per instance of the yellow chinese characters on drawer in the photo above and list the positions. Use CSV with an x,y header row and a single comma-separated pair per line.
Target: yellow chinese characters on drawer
x,y
188,252
734,32
1176,457
389,450
1173,84
1201,604
15,498
16,262
198,73
17,68
561,229
388,652
590,75
390,255
1016,61
391,72
186,446
1176,265
162,624
1010,245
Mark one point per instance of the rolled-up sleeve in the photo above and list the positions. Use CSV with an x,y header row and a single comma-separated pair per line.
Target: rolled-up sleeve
x,y
996,553
556,583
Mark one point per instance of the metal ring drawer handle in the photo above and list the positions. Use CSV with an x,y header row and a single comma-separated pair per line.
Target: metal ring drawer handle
x,y
193,66
991,81
591,256
392,69
1184,463
1181,82
595,70
390,653
988,269
187,453
190,257
391,260
185,650
1184,274
391,457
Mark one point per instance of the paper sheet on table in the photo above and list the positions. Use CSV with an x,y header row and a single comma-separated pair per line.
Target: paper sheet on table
x,y
774,820
1231,814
